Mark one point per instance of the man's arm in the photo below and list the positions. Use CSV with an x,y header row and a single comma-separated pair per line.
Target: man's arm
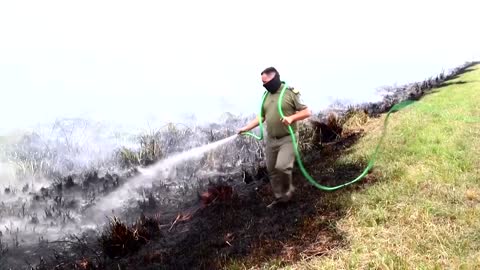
x,y
302,111
253,124
300,115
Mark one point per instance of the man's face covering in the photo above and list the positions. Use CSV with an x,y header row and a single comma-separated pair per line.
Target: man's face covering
x,y
271,81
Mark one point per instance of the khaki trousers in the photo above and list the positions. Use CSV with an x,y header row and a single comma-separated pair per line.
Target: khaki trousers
x,y
280,159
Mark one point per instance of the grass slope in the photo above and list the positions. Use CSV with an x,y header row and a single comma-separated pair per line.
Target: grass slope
x,y
424,211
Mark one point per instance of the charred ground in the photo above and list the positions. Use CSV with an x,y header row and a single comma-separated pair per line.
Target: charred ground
x,y
223,219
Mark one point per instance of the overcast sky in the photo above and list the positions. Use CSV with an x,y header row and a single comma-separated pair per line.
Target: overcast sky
x,y
141,61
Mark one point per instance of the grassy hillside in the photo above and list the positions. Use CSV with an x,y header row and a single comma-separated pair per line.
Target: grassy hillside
x,y
424,210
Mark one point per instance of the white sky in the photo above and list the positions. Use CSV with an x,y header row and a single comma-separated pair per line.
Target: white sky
x,y
137,61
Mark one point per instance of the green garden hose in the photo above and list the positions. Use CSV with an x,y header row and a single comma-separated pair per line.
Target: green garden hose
x,y
395,108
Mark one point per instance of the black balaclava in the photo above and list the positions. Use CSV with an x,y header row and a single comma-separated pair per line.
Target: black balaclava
x,y
274,84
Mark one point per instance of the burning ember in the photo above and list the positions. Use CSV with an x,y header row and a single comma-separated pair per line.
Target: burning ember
x,y
219,193
84,264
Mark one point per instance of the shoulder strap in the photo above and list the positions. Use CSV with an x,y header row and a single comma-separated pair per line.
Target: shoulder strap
x,y
294,90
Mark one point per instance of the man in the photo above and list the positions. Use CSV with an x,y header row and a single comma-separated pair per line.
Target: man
x,y
279,146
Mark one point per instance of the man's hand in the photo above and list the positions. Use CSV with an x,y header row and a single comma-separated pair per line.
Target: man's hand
x,y
288,120
249,126
303,114
243,129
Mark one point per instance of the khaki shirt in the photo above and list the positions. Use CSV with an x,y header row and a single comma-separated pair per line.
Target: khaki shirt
x,y
290,105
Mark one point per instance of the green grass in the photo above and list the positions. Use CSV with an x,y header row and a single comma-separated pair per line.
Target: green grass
x,y
424,211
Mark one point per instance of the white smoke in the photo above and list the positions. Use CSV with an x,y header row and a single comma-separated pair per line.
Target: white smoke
x,y
74,147
66,147
7,173
149,175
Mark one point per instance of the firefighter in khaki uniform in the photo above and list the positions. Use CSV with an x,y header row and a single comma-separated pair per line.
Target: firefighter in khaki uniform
x,y
279,149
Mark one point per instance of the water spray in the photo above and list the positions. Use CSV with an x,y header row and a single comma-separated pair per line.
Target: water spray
x,y
148,175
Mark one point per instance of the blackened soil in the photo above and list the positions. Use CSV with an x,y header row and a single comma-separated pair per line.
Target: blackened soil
x,y
242,228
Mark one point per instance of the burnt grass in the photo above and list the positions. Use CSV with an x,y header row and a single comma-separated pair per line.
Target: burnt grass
x,y
240,226
228,220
